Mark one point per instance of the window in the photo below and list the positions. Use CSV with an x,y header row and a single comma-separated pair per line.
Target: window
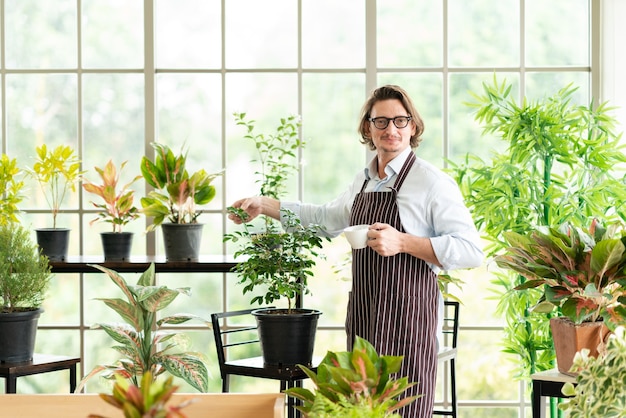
x,y
109,77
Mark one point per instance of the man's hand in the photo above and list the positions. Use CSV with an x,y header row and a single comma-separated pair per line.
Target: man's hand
x,y
254,206
384,239
388,241
250,207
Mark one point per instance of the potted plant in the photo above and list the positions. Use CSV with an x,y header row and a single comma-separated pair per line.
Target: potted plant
x,y
555,165
147,400
24,279
175,197
117,209
142,339
599,389
12,190
582,272
354,384
275,259
57,171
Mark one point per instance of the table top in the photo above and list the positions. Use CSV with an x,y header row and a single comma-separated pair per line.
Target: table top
x,y
205,264
38,361
254,366
553,376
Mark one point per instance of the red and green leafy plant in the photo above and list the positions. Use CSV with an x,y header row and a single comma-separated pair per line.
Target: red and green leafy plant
x,y
582,271
354,384
149,400
176,193
118,208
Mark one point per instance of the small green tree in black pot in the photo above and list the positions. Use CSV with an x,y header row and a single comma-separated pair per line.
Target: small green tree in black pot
x,y
275,260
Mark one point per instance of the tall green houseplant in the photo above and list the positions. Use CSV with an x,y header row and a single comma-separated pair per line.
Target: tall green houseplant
x,y
143,339
277,262
559,164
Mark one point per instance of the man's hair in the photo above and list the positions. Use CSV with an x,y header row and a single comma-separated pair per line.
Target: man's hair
x,y
389,92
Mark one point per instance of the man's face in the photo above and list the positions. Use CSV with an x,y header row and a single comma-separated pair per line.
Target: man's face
x,y
391,140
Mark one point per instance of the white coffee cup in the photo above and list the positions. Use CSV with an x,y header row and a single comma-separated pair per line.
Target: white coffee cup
x,y
357,236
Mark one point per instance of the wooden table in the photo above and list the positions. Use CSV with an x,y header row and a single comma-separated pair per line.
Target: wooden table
x,y
41,363
214,405
547,384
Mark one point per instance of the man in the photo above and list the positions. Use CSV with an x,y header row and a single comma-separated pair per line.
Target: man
x,y
419,225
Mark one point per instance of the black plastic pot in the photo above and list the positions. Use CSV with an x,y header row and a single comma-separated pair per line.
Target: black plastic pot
x,y
182,241
287,338
53,242
116,246
17,335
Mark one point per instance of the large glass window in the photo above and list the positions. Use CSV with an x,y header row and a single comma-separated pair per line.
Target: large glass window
x,y
110,77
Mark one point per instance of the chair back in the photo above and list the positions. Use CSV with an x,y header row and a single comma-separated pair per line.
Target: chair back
x,y
235,335
450,323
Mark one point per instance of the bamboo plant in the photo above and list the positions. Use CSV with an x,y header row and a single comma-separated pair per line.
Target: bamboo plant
x,y
559,164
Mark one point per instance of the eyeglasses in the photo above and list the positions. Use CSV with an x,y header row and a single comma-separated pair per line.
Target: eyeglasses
x,y
382,122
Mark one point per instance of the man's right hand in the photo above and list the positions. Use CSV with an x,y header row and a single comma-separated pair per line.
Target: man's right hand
x,y
255,206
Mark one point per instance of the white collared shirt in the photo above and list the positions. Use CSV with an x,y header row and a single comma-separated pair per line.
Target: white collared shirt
x,y
430,204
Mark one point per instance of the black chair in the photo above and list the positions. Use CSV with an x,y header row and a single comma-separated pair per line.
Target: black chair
x,y
447,354
242,337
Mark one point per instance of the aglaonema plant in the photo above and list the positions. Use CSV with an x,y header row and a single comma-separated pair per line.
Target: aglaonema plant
x,y
142,340
355,383
580,271
177,193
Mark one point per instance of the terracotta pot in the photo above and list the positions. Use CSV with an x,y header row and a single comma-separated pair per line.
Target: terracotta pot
x,y
569,338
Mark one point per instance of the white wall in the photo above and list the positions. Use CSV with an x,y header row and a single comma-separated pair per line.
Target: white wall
x,y
613,57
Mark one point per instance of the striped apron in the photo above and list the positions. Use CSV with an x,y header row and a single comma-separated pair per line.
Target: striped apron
x,y
393,302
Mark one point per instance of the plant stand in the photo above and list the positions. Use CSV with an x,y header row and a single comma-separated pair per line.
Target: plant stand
x,y
41,363
547,384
